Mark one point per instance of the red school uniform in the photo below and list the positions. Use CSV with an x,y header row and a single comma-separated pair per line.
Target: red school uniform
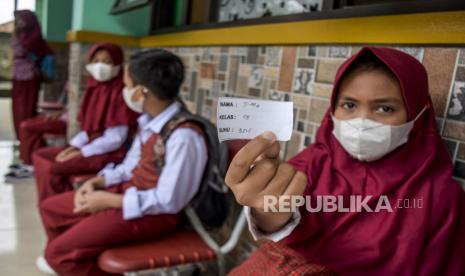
x,y
76,240
102,107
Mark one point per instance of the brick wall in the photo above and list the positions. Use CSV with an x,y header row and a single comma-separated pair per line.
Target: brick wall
x,y
304,75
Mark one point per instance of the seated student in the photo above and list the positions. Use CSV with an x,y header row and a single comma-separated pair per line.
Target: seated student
x,y
136,200
378,139
31,135
107,125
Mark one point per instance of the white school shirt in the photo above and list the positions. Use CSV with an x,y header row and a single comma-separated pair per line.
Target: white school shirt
x,y
185,160
276,236
112,139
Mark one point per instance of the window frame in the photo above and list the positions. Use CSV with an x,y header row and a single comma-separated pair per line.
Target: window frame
x,y
119,8
331,9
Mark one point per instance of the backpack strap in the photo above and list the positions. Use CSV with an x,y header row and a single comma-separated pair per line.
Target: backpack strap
x,y
181,118
217,163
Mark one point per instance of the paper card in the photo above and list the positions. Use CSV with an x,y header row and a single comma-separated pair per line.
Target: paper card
x,y
247,118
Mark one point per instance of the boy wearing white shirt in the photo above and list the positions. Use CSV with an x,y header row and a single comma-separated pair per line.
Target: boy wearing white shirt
x,y
135,200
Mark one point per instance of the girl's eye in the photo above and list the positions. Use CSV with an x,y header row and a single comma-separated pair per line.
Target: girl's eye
x,y
385,109
348,105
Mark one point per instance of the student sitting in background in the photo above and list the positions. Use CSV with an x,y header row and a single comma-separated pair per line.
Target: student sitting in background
x,y
138,199
106,124
31,135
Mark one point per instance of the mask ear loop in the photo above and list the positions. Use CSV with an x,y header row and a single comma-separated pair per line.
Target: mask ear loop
x,y
421,112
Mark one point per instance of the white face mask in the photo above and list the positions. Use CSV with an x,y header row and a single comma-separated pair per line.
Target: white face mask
x,y
368,140
134,106
102,71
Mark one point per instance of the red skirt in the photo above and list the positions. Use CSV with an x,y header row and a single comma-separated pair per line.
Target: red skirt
x,y
75,241
53,177
24,96
31,135
276,259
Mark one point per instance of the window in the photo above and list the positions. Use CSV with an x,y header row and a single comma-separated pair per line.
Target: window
x,y
121,6
183,15
234,10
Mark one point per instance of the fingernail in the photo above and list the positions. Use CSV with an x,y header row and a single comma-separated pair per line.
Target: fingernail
x,y
268,135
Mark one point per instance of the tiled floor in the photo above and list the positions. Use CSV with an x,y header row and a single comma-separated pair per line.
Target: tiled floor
x,y
22,238
6,127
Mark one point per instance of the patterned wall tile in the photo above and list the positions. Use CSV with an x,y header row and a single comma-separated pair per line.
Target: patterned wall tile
x,y
322,90
193,85
272,72
303,81
302,51
439,79
457,102
339,52
317,110
311,51
287,68
245,70
415,52
454,129
241,50
273,55
206,54
252,55
321,51
188,61
207,71
276,95
223,63
243,86
439,123
461,151
256,77
462,57
206,83
326,70
459,170
460,74
301,102
233,74
306,63
451,146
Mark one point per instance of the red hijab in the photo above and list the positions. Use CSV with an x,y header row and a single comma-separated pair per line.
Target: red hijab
x,y
103,105
415,241
31,38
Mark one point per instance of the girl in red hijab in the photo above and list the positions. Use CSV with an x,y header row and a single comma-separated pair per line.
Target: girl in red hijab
x,y
378,141
106,124
28,47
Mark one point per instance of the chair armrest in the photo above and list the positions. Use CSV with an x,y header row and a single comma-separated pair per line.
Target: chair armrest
x,y
50,106
208,239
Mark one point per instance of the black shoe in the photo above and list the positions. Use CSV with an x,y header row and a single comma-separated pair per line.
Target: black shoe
x,y
14,167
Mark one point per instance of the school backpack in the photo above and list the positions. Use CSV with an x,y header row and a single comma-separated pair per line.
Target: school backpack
x,y
211,201
46,66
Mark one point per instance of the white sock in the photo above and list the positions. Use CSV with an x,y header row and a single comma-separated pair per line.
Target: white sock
x,y
43,266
